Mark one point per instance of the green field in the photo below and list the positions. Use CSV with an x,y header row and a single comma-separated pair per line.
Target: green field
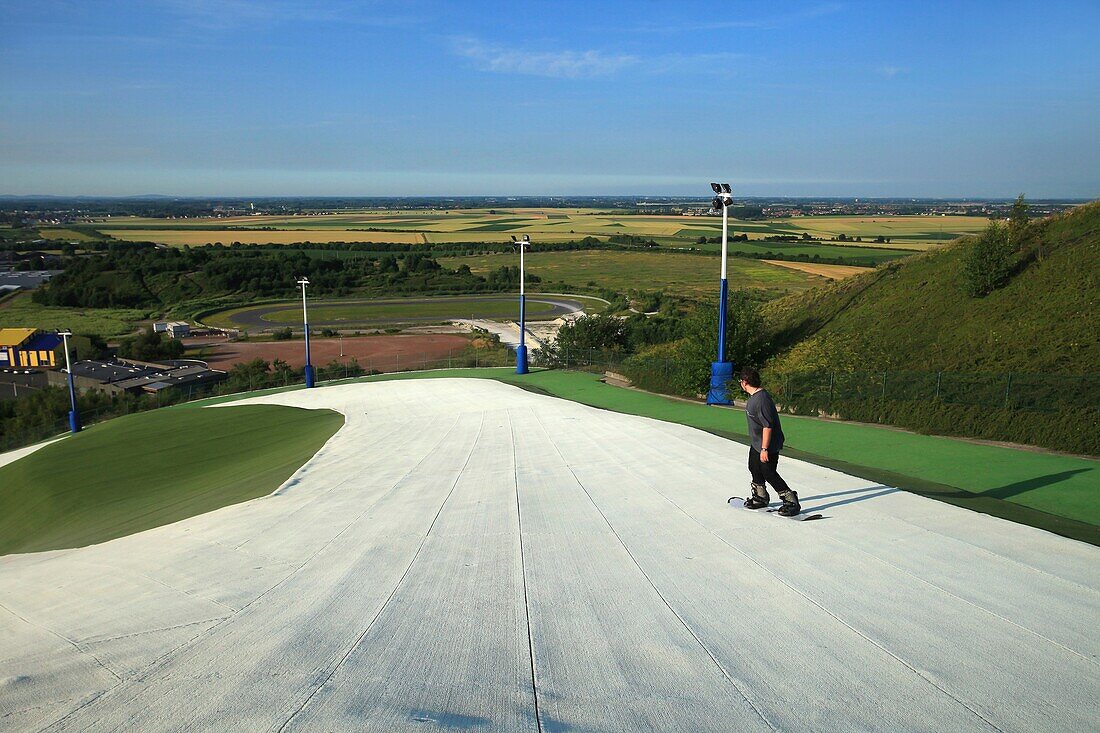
x,y
145,470
21,312
543,225
839,252
686,275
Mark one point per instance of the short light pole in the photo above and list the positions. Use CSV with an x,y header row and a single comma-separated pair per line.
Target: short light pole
x,y
74,418
721,371
521,350
303,282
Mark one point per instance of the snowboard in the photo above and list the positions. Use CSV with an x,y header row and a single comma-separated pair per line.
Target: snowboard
x,y
738,502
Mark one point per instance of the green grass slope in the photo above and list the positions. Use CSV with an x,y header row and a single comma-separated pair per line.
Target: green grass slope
x,y
914,314
145,470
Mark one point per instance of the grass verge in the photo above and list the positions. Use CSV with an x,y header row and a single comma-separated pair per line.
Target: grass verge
x,y
145,470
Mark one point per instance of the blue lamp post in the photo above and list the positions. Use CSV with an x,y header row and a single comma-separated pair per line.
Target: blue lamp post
x,y
304,281
721,371
74,418
521,350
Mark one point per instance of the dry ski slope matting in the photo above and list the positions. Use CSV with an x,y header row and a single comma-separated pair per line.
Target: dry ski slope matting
x,y
465,555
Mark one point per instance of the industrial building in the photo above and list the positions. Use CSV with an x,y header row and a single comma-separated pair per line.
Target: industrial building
x,y
28,348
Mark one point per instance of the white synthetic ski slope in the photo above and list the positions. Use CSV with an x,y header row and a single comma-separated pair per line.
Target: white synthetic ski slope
x,y
467,555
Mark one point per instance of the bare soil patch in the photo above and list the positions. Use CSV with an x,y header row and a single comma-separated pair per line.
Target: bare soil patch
x,y
384,352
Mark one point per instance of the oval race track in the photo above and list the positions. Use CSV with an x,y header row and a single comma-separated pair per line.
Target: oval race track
x,y
466,555
465,307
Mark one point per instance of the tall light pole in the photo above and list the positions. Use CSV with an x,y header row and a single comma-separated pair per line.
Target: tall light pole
x,y
304,281
721,371
74,418
521,350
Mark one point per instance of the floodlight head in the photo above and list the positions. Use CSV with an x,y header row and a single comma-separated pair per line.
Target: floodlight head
x,y
726,188
514,238
717,204
303,281
526,238
717,188
65,334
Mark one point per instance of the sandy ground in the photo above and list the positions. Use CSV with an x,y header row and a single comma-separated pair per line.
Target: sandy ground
x,y
467,555
380,351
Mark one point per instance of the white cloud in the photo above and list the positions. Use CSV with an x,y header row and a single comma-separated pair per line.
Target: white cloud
x,y
565,64
891,71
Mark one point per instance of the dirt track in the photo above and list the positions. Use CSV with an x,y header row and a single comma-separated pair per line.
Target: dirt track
x,y
383,351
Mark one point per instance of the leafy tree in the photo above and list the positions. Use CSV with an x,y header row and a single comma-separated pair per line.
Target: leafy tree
x,y
283,334
1019,225
600,332
747,341
150,346
988,262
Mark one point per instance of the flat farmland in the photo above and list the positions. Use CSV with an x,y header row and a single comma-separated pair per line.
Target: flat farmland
x,y
195,237
495,225
69,235
833,272
678,274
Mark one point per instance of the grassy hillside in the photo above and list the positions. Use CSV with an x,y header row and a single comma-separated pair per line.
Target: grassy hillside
x,y
915,314
145,470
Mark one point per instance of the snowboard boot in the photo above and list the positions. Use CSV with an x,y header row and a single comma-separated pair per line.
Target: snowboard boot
x,y
759,498
790,507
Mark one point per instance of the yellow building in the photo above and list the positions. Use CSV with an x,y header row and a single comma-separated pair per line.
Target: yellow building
x,y
28,348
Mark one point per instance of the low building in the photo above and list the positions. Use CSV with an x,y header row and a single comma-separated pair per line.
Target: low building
x,y
178,329
125,375
28,348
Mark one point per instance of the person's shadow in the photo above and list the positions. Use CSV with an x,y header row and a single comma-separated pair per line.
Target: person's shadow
x,y
1020,487
860,495
1001,492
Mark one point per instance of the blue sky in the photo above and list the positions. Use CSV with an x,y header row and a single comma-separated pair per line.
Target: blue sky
x,y
271,97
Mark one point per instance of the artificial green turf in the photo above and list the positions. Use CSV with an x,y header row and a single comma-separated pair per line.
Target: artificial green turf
x,y
153,468
1055,492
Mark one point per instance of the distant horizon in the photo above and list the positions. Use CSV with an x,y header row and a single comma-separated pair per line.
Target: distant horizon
x,y
671,196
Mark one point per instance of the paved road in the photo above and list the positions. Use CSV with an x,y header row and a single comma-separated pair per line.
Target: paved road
x,y
464,307
464,555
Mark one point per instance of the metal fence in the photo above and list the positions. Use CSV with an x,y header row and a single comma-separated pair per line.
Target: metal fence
x,y
994,391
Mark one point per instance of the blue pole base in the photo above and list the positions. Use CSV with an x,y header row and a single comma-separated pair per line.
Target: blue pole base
x,y
721,374
74,421
521,359
309,376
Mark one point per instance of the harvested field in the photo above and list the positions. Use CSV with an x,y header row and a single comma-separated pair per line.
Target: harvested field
x,y
833,272
382,351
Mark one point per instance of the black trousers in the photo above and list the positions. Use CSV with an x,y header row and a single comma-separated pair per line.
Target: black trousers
x,y
766,472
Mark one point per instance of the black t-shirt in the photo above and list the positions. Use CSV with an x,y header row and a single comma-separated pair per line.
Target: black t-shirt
x,y
761,413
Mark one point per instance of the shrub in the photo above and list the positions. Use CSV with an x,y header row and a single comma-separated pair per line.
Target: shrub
x,y
988,261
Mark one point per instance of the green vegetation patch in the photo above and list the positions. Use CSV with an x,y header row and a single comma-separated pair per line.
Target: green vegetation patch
x,y
146,470
22,312
680,274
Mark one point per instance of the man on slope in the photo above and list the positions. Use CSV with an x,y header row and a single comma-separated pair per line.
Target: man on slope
x,y
767,440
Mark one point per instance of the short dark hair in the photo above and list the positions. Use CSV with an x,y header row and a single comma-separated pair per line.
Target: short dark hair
x,y
750,376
